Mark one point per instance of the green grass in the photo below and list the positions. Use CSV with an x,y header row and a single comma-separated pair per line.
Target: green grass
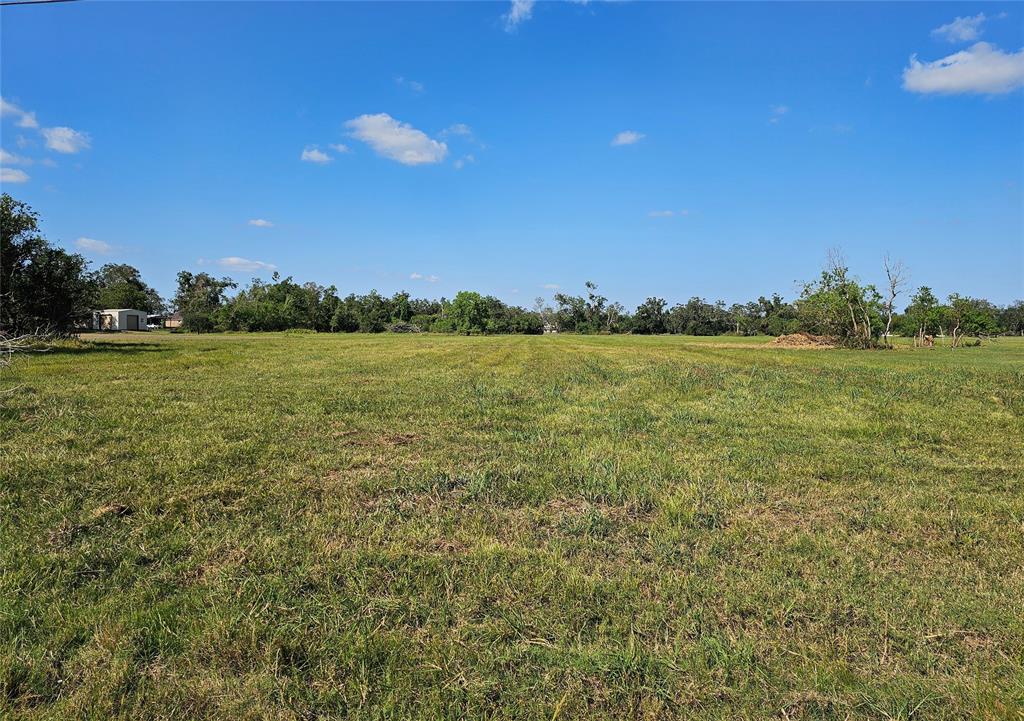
x,y
343,526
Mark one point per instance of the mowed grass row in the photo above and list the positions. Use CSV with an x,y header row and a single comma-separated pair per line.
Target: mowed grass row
x,y
325,526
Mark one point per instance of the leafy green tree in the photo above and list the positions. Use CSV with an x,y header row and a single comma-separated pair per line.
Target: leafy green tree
x,y
20,241
836,305
200,298
502,318
618,319
346,316
121,286
582,315
777,316
41,288
970,316
1011,318
923,314
597,316
55,291
426,306
280,305
570,313
650,316
744,320
469,313
326,308
698,317
374,312
401,309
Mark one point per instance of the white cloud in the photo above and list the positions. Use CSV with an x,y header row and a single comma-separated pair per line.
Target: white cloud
x,y
93,246
23,118
463,161
312,154
420,276
961,29
982,68
244,264
519,12
397,140
12,159
628,137
260,223
13,175
462,131
339,148
661,214
66,140
61,139
416,87
778,111
552,286
458,129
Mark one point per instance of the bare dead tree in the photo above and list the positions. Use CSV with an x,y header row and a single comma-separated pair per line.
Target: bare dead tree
x,y
896,276
544,311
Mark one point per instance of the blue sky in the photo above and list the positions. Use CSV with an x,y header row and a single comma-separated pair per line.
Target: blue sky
x,y
669,149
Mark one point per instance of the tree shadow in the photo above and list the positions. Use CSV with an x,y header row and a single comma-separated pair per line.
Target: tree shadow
x,y
88,347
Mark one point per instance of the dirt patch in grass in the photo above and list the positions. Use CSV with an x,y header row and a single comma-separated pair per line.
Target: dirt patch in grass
x,y
66,532
804,340
118,510
400,439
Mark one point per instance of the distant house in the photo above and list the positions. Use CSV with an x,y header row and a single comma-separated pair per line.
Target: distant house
x,y
550,328
173,320
119,319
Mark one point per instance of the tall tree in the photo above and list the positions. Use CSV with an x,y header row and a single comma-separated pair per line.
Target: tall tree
x,y
1011,318
650,316
836,305
923,311
41,288
121,286
199,298
469,313
970,316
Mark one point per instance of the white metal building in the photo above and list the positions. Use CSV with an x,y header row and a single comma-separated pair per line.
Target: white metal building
x,y
120,319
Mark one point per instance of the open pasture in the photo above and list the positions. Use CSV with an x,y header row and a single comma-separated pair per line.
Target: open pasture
x,y
298,526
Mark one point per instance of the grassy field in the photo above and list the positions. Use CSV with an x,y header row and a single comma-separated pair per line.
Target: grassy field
x,y
349,526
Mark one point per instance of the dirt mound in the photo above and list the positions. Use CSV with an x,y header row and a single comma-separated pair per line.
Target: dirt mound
x,y
804,340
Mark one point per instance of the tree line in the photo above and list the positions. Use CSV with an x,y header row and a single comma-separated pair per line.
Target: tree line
x,y
47,288
44,287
